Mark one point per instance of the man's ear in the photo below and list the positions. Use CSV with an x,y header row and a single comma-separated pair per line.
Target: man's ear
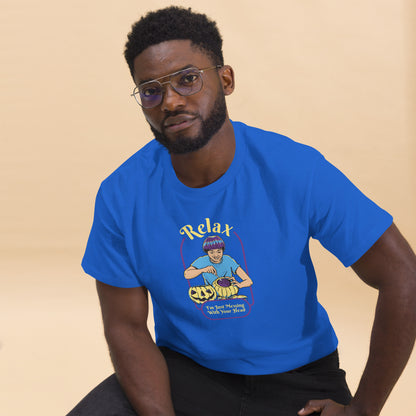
x,y
227,78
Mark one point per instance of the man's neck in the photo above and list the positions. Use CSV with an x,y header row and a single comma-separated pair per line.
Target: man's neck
x,y
206,165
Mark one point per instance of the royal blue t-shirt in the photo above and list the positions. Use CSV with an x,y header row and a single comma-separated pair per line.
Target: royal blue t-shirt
x,y
149,228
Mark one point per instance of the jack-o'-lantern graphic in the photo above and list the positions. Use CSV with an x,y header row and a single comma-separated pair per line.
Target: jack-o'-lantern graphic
x,y
201,294
224,287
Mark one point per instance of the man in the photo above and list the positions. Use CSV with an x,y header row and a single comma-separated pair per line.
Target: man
x,y
265,195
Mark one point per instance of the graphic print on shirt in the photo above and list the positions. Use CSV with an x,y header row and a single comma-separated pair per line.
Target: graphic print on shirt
x,y
219,284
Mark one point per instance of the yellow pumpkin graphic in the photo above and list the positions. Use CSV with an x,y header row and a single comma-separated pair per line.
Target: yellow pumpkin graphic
x,y
224,287
201,294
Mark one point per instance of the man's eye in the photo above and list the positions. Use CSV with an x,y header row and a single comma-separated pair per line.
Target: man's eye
x,y
188,79
150,91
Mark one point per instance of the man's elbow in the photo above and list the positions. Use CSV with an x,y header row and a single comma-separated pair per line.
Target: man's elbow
x,y
125,333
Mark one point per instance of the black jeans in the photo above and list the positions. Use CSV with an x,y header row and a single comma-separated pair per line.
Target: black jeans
x,y
198,391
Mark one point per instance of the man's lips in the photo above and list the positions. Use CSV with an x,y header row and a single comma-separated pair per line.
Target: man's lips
x,y
179,122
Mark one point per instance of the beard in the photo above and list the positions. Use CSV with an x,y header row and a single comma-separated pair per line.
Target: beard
x,y
183,144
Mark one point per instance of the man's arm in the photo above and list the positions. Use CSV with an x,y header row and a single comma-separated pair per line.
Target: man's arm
x,y
139,365
390,267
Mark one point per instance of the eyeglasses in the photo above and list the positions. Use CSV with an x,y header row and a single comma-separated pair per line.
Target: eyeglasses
x,y
185,82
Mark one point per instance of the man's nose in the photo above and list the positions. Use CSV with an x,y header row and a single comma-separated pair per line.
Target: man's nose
x,y
171,99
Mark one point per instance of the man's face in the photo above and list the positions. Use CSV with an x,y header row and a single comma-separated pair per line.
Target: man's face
x,y
215,255
182,124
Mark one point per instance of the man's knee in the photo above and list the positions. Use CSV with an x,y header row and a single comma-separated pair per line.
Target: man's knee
x,y
107,399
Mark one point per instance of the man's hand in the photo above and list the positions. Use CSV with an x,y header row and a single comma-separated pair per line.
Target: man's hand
x,y
389,266
327,408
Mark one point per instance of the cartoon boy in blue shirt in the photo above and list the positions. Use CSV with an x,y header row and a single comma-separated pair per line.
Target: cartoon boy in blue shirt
x,y
217,264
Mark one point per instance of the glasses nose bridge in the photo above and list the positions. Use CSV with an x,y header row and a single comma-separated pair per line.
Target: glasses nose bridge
x,y
168,82
169,100
172,87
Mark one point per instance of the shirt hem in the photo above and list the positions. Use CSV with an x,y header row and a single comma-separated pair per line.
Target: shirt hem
x,y
274,364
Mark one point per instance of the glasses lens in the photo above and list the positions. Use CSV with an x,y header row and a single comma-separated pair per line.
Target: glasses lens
x,y
150,94
187,82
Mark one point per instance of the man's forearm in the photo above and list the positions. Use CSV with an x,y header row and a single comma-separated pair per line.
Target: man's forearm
x,y
392,340
142,372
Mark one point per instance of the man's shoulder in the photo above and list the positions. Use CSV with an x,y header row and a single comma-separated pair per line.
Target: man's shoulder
x,y
267,140
137,167
277,148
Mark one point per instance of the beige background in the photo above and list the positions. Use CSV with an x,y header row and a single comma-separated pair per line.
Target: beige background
x,y
338,75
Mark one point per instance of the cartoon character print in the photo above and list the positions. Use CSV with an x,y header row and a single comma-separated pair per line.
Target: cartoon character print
x,y
218,271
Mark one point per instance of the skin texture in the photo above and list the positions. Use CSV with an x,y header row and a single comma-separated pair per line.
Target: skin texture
x,y
138,362
389,266
209,126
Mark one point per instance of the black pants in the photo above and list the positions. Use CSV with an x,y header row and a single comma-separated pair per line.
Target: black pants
x,y
198,391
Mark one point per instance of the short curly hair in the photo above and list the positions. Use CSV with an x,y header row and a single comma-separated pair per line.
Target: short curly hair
x,y
173,23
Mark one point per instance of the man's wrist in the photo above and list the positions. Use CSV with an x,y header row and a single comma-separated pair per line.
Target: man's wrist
x,y
361,408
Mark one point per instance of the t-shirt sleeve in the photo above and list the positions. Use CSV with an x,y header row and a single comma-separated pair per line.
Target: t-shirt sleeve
x,y
233,265
342,218
106,257
200,262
